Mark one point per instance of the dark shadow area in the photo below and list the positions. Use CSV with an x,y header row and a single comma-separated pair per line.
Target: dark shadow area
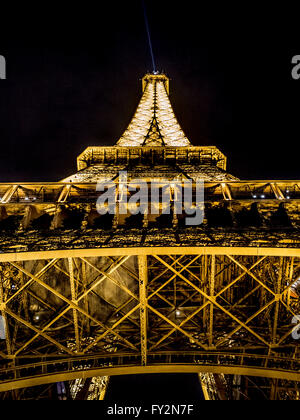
x,y
42,223
163,221
10,224
219,216
246,218
155,388
73,219
134,221
103,222
280,218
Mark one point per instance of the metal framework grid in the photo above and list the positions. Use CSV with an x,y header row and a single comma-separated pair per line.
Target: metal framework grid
x,y
80,302
185,311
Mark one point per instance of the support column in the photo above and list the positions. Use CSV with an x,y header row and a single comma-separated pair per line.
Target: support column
x,y
143,280
212,293
85,299
277,306
84,223
274,386
73,297
4,315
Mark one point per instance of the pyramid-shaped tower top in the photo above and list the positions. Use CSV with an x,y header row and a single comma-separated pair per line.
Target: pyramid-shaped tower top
x,y
154,122
153,145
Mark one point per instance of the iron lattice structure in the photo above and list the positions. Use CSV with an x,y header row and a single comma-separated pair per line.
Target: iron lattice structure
x,y
84,295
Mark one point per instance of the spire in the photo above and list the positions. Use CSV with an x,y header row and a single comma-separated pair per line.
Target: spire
x,y
154,122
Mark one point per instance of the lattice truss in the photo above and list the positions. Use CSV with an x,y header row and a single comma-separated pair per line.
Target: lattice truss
x,y
235,387
107,312
154,123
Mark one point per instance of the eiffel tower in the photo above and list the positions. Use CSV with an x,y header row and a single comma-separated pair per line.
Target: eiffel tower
x,y
85,296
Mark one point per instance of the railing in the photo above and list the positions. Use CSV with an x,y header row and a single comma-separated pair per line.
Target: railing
x,y
127,360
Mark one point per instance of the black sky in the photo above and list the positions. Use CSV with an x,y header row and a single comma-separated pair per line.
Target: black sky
x,y
159,388
73,81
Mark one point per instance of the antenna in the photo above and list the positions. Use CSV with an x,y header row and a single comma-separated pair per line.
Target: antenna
x,y
149,36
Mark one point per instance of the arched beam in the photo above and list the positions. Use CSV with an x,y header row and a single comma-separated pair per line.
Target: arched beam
x,y
153,369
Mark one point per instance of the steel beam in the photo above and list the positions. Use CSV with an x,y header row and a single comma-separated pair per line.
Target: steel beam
x,y
151,251
136,370
73,297
143,281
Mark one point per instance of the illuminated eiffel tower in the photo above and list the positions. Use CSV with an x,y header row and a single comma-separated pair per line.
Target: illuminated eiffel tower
x,y
84,295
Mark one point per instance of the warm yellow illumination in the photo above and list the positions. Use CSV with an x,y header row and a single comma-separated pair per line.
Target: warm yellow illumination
x,y
154,123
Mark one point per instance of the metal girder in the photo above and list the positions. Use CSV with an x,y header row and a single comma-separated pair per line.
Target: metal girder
x,y
143,281
4,316
106,275
39,332
208,303
29,282
151,251
42,332
72,305
277,305
252,275
136,370
73,297
214,302
239,292
64,194
212,295
8,194
112,330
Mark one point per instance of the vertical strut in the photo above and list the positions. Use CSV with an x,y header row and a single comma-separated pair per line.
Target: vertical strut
x,y
277,306
73,297
143,280
85,299
4,316
212,293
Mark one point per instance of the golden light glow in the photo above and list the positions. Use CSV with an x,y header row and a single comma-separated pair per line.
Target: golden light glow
x,y
154,123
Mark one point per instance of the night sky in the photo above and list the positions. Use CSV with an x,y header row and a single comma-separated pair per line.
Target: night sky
x,y
74,81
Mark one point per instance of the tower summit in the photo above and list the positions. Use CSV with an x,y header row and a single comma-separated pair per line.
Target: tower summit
x,y
153,139
154,123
